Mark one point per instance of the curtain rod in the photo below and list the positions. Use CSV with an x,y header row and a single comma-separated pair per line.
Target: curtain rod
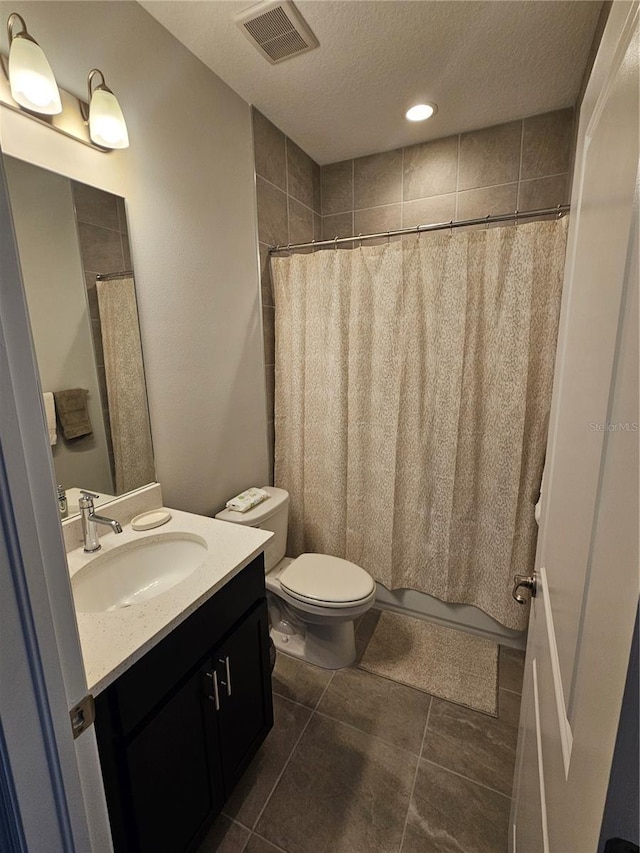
x,y
108,276
516,216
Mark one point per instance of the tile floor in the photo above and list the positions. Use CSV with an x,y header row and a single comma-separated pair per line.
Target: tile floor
x,y
359,764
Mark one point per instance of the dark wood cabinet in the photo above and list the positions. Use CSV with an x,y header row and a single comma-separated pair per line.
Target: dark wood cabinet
x,y
177,730
239,664
172,763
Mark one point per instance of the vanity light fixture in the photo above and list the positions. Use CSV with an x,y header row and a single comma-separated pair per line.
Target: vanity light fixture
x,y
33,85
28,87
420,112
107,126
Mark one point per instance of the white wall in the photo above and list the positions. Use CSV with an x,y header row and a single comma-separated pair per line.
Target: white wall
x,y
45,225
188,180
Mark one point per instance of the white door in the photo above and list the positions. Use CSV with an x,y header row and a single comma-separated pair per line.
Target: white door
x,y
587,558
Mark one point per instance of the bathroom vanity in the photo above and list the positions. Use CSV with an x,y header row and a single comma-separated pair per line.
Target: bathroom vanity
x,y
181,716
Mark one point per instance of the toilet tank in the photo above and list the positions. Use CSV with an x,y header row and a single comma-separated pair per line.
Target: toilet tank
x,y
271,514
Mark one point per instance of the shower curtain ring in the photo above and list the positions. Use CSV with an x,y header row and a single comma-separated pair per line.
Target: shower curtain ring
x,y
335,242
559,212
451,228
388,237
487,220
313,247
417,233
516,218
360,236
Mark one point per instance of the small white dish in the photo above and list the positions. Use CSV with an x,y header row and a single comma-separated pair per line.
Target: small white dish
x,y
149,520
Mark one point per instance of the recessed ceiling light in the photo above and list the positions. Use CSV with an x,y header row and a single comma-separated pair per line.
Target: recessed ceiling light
x,y
421,112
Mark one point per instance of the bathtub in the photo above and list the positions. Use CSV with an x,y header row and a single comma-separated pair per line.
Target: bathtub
x,y
466,617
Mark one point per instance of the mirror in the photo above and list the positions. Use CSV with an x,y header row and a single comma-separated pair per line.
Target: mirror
x,y
73,244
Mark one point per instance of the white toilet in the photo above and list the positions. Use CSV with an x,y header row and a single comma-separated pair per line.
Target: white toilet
x,y
313,599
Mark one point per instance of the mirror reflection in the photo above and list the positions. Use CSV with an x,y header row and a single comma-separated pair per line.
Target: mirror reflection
x,y
73,244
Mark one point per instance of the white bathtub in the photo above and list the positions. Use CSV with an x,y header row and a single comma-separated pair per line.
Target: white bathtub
x,y
466,617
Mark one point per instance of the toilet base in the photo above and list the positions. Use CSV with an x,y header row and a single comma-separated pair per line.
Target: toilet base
x,y
328,646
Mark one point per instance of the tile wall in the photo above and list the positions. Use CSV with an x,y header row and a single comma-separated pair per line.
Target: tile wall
x,y
104,248
288,194
520,165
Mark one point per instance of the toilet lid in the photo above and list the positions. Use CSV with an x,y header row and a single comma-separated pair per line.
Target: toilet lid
x,y
321,578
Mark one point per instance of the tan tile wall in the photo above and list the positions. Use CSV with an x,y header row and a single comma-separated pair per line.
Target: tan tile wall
x,y
288,195
520,165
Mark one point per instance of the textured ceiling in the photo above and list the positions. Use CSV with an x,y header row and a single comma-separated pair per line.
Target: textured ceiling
x,y
482,62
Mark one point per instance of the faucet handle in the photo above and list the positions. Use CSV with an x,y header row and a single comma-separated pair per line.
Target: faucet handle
x,y
86,499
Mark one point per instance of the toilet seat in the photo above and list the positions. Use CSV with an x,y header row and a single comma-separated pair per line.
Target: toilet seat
x,y
327,581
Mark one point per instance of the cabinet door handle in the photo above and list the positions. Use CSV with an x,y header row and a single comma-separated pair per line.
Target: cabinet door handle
x,y
227,683
213,675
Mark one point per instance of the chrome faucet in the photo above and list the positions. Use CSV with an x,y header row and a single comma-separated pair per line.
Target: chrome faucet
x,y
90,522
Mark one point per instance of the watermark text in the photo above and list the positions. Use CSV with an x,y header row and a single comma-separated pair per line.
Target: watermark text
x,y
620,426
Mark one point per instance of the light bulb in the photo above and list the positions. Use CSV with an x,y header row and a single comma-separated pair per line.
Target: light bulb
x,y
420,112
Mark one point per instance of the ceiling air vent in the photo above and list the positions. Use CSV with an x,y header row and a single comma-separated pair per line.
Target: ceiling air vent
x,y
277,29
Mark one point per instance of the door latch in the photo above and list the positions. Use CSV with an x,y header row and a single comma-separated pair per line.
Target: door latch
x,y
526,582
82,715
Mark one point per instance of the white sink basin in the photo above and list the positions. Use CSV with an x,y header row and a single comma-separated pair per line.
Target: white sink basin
x,y
137,571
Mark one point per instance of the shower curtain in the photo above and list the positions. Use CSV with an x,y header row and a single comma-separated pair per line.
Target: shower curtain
x,y
126,388
413,385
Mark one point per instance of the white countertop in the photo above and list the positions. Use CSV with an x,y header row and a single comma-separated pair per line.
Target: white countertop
x,y
112,641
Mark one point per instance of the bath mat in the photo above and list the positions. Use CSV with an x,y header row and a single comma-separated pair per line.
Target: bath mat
x,y
447,663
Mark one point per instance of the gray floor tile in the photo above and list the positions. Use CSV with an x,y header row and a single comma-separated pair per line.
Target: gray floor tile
x,y
343,791
480,747
259,845
448,814
255,786
225,836
299,681
365,630
391,711
511,668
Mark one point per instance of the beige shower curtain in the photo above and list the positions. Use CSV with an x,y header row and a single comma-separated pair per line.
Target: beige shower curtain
x,y
126,388
413,383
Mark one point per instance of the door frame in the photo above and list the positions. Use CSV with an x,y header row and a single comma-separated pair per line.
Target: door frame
x,y
48,779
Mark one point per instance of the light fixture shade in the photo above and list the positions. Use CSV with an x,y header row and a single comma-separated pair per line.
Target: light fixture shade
x,y
33,85
107,126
